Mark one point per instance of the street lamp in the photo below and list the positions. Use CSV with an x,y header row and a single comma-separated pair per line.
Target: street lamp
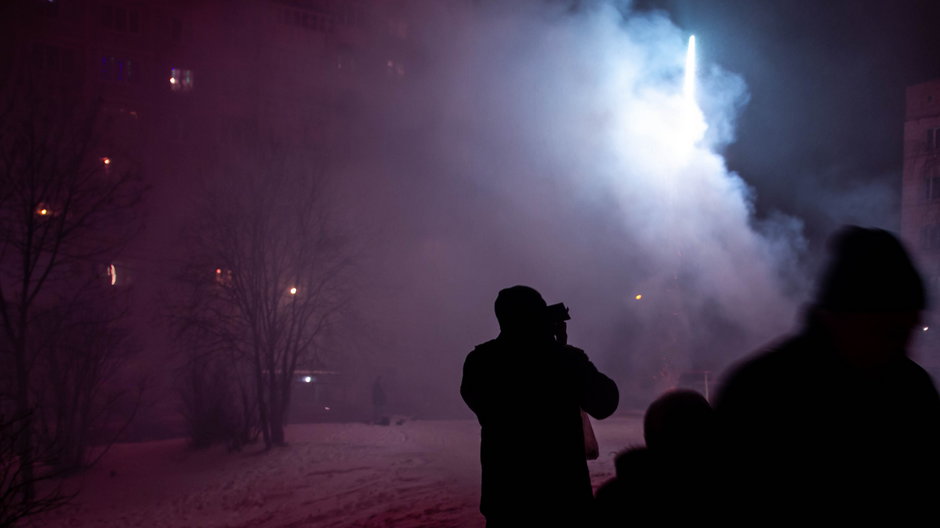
x,y
43,210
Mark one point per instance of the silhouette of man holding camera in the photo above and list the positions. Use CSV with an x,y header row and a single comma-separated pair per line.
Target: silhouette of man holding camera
x,y
527,390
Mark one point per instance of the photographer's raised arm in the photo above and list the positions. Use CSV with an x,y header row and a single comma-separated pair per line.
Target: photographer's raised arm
x,y
599,394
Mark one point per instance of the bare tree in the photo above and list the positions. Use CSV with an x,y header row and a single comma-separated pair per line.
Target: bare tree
x,y
79,401
219,403
267,273
12,506
65,212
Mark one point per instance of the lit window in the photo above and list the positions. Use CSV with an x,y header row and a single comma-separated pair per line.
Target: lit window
x,y
118,69
223,277
181,80
105,70
394,68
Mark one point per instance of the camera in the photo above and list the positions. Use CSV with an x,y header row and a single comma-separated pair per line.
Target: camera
x,y
558,313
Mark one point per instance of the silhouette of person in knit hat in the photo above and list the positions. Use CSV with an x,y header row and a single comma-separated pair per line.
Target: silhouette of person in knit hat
x,y
837,422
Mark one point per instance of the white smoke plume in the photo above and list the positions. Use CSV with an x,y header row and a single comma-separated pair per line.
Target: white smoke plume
x,y
552,146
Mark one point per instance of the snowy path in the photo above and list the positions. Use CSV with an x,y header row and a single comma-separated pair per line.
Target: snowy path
x,y
419,474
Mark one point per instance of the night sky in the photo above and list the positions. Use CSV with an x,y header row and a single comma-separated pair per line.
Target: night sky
x,y
820,137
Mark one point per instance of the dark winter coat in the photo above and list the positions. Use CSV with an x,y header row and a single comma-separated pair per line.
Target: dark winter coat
x,y
528,396
805,432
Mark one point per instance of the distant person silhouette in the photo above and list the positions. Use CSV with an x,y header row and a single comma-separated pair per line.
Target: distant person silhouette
x,y
527,391
836,423
378,403
668,482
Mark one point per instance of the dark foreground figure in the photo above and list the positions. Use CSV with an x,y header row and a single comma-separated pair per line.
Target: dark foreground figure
x,y
837,423
527,391
669,482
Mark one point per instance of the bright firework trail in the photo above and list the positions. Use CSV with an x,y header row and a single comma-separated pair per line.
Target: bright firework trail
x,y
691,125
689,83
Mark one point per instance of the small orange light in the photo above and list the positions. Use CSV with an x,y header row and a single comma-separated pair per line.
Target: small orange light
x,y
638,296
106,160
293,291
43,211
218,271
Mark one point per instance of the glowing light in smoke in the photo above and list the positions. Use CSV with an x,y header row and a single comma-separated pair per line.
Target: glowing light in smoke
x,y
926,328
308,379
690,74
293,291
639,296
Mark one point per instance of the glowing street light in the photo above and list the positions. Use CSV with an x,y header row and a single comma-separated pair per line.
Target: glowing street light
x,y
638,296
293,291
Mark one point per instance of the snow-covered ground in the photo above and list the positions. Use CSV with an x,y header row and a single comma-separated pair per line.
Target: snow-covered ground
x,y
418,474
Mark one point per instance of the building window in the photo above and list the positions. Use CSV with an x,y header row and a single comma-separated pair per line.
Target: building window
x,y
181,80
930,237
394,68
322,22
346,62
398,28
53,59
933,188
933,138
176,29
50,8
120,69
123,19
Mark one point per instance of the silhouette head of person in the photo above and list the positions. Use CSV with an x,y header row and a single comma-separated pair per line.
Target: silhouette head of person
x,y
869,297
679,422
522,313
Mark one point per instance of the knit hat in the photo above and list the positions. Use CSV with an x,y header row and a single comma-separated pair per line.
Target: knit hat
x,y
869,271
